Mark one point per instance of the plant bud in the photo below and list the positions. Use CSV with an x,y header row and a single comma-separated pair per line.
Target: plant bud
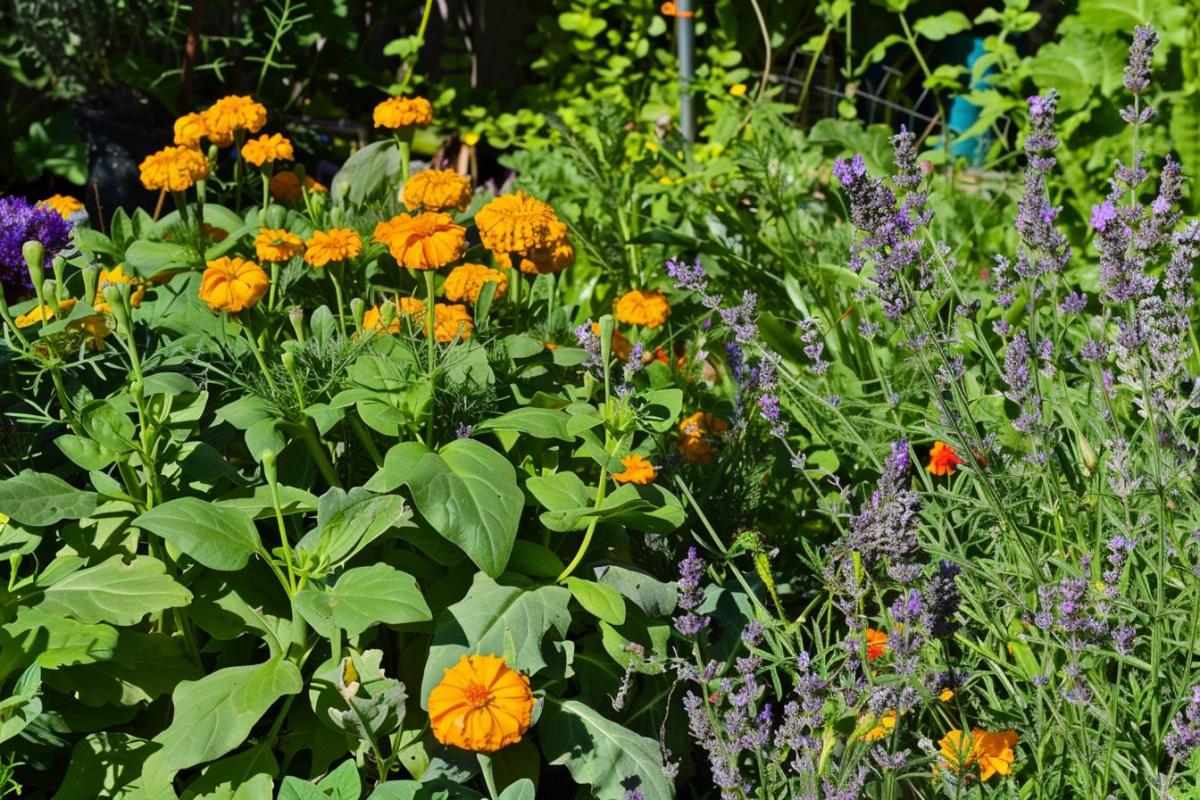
x,y
357,309
35,256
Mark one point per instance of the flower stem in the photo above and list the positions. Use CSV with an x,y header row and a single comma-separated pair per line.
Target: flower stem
x,y
431,351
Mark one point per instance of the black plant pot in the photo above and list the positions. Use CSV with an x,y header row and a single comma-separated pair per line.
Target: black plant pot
x,y
116,144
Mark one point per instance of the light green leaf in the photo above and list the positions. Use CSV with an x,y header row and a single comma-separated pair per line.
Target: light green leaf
x,y
602,602
219,537
34,498
23,706
364,597
349,521
938,27
542,423
53,641
105,764
115,592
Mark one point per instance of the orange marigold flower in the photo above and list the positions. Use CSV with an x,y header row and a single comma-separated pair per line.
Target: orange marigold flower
x,y
637,307
63,204
45,313
877,644
516,223
451,321
274,244
637,470
990,752
335,244
403,112
111,277
466,281
285,186
232,284
437,190
942,459
233,113
266,149
481,705
699,436
313,185
190,129
409,306
424,241
946,695
173,168
552,259
883,727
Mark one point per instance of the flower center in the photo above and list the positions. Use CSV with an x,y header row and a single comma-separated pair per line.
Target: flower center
x,y
478,695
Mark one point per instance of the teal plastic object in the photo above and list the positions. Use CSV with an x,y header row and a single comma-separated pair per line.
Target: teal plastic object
x,y
964,114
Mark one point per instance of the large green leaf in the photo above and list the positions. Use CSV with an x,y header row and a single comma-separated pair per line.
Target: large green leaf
x,y
115,592
601,753
34,498
364,597
349,521
219,537
499,620
542,423
1078,65
366,172
23,706
467,492
53,641
105,764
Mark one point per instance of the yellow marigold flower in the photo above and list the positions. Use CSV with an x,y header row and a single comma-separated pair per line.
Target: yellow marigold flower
x,y
64,205
647,309
554,258
516,223
403,112
277,244
44,313
335,244
266,149
111,277
173,168
990,752
637,470
946,695
95,326
738,90
437,190
466,281
451,321
424,241
233,113
190,129
232,284
883,727
699,436
481,705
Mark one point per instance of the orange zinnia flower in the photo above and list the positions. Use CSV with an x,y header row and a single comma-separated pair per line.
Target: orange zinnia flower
x,y
273,244
266,149
516,223
403,112
63,204
425,241
466,281
942,459
335,244
637,470
233,113
991,752
699,436
111,277
232,284
481,705
647,309
437,190
451,321
877,644
173,168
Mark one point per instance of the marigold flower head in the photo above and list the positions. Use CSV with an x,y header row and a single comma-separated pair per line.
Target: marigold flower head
x,y
516,223
883,727
437,190
112,277
233,113
637,470
190,129
45,313
699,436
403,112
285,186
942,459
232,284
423,241
63,204
335,244
990,752
481,705
266,149
645,308
277,244
175,169
452,321
877,644
466,281
738,90
552,259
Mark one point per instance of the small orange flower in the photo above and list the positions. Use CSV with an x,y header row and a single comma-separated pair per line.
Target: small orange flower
x,y
877,644
451,321
942,459
232,284
424,241
991,752
111,277
637,470
403,112
285,186
189,130
175,169
516,223
409,306
231,114
700,435
64,205
45,313
946,695
883,727
466,281
267,149
437,190
273,244
335,244
647,309
481,705
557,255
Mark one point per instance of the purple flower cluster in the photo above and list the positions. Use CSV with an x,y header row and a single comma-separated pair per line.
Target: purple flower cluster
x,y
884,531
1022,385
691,595
21,222
1184,736
1046,249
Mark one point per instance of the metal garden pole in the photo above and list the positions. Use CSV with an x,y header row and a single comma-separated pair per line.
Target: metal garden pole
x,y
685,38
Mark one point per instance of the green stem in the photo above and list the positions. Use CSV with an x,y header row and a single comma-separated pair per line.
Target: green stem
x,y
485,767
257,351
431,352
420,35
335,277
601,490
317,451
